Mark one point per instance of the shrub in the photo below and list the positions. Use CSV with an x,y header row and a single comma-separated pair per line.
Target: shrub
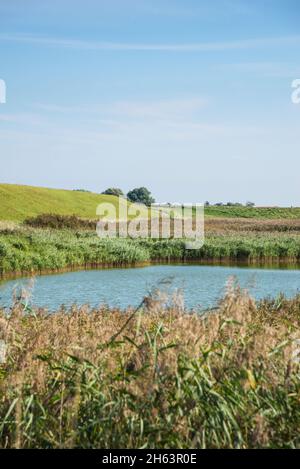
x,y
55,221
113,191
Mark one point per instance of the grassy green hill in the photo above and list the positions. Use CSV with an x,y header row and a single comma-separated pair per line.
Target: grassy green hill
x,y
19,202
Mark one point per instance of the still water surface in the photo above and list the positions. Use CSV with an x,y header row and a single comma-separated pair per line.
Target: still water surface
x,y
202,286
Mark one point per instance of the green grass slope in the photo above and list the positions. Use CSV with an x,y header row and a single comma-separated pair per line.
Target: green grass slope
x,y
19,202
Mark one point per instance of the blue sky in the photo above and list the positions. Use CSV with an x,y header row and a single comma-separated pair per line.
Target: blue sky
x,y
189,98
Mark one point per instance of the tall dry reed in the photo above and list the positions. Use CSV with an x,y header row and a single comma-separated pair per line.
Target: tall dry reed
x,y
157,377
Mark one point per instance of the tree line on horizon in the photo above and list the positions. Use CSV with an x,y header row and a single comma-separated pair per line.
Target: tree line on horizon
x,y
142,195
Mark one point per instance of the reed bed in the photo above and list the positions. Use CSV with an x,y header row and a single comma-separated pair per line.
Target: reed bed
x,y
215,225
246,225
26,250
155,377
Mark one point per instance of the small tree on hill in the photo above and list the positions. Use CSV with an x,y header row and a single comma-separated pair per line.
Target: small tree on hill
x,y
114,191
141,195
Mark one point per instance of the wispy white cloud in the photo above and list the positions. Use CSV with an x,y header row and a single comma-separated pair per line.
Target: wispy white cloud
x,y
129,121
267,69
56,108
204,10
109,112
21,118
163,47
161,109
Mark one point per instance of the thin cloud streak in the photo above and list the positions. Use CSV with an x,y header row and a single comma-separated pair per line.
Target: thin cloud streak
x,y
188,47
267,69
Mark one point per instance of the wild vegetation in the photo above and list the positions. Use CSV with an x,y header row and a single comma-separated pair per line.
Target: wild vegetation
x,y
237,237
250,225
26,249
153,377
212,224
60,222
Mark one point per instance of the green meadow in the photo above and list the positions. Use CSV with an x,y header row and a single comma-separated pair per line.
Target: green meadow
x,y
19,202
254,212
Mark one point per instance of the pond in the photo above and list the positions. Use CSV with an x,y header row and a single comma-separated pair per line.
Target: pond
x,y
202,286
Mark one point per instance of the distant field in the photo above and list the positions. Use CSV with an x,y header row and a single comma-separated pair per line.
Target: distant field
x,y
20,202
254,212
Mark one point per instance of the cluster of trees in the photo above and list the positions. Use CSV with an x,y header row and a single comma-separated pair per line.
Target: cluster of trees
x,y
142,195
230,204
139,195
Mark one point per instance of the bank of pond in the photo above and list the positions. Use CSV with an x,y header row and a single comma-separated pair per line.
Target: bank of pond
x,y
25,251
